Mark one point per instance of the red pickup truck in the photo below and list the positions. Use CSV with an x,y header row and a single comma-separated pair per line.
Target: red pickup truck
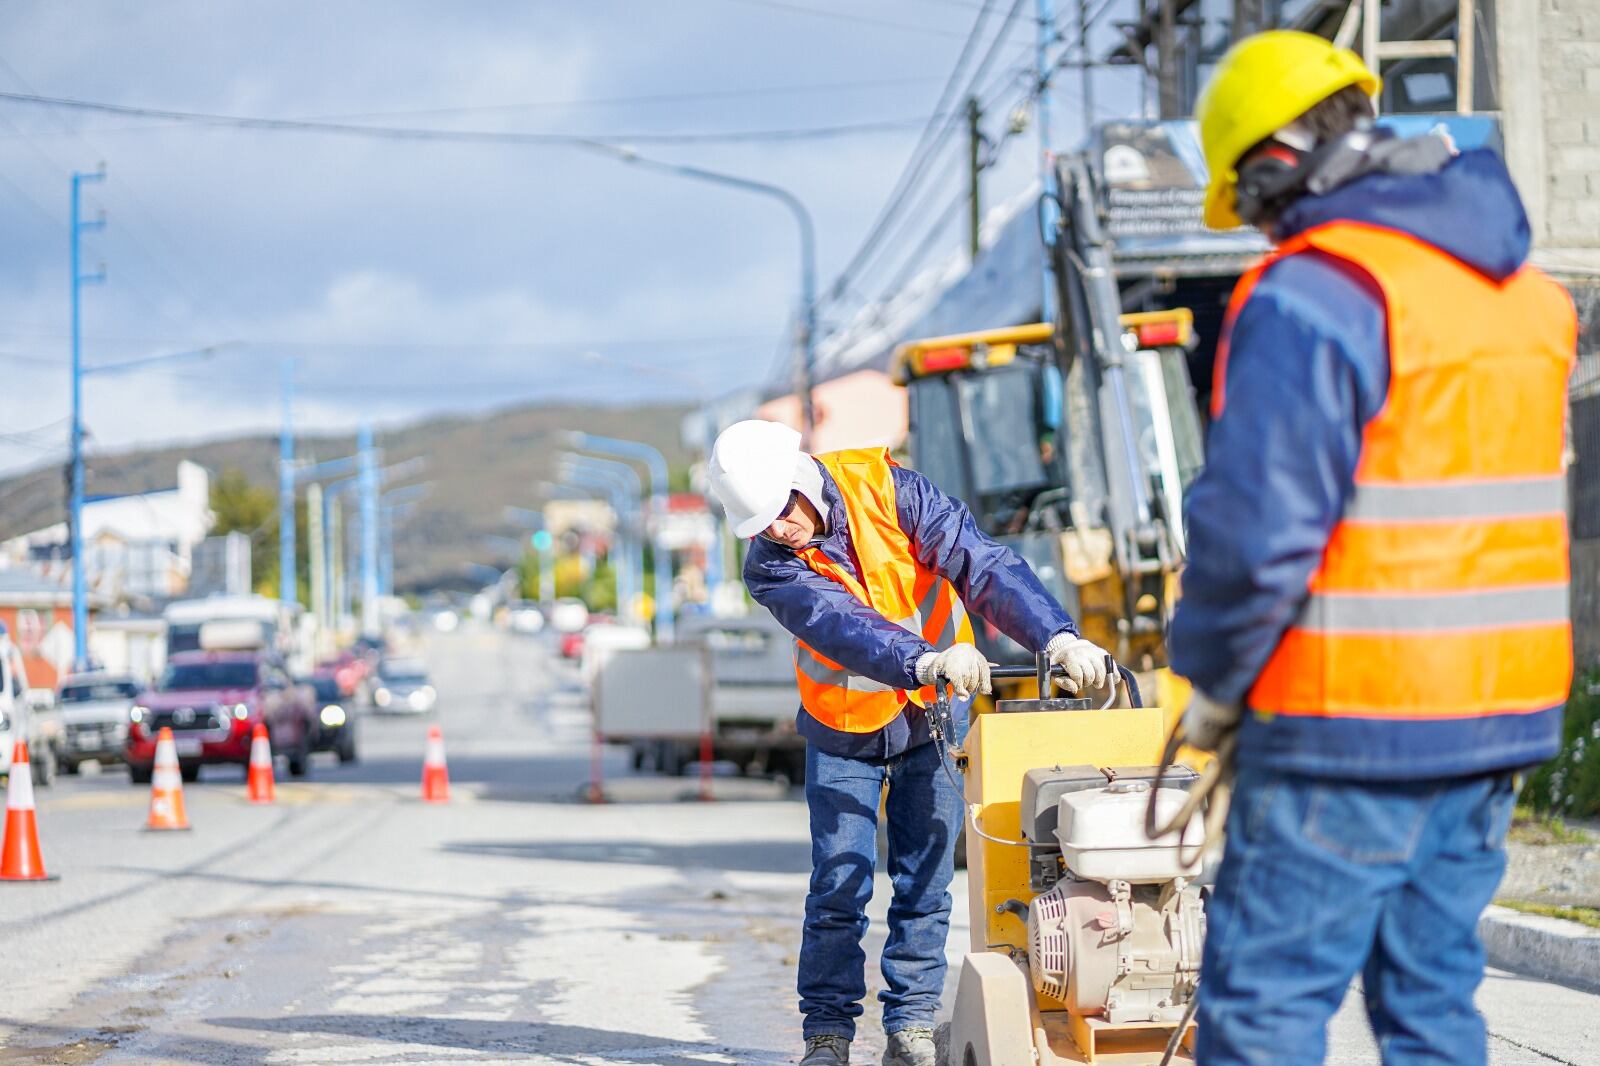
x,y
212,701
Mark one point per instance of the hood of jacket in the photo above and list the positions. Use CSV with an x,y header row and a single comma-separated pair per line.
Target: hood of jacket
x,y
1435,208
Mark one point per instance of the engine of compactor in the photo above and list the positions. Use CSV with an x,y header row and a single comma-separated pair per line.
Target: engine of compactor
x,y
1117,924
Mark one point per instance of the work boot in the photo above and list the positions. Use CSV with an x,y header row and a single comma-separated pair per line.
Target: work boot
x,y
911,1047
829,1049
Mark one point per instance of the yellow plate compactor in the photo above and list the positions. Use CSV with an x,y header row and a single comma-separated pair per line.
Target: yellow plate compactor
x,y
1086,934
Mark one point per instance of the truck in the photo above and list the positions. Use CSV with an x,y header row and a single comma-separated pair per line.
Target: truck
x,y
184,620
749,701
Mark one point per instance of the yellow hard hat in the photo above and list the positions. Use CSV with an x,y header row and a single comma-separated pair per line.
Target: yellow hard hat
x,y
1261,85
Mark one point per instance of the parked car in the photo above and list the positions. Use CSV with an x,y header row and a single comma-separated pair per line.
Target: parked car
x,y
212,701
94,718
525,617
348,670
401,687
16,715
568,615
336,723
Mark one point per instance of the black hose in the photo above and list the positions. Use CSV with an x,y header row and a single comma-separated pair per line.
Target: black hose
x,y
1177,1034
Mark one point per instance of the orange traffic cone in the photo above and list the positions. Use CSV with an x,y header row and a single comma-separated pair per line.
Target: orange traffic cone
x,y
435,776
19,856
166,787
262,788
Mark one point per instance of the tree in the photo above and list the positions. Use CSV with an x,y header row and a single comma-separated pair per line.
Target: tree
x,y
240,505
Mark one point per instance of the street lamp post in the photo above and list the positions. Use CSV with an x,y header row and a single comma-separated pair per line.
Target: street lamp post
x,y
657,465
805,369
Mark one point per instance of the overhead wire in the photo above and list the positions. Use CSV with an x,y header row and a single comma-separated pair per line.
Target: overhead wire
x,y
742,93
934,133
913,262
609,141
130,279
847,16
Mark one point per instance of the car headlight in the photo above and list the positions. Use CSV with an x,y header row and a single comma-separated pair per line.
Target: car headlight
x,y
241,711
428,693
136,713
332,715
381,697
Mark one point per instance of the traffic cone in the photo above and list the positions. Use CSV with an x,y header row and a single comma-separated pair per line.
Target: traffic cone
x,y
19,856
166,787
262,788
435,775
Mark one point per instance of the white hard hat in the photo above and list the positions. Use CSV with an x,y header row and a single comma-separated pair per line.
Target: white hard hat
x,y
752,470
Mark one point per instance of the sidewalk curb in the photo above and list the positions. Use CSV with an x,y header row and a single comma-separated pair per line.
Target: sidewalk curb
x,y
1552,949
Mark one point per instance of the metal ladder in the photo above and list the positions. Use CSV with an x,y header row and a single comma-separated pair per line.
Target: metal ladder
x,y
1366,16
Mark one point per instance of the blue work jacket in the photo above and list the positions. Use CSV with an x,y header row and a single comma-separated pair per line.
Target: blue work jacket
x,y
991,579
1308,368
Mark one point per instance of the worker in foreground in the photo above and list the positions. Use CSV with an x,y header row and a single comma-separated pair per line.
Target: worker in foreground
x,y
1375,607
872,569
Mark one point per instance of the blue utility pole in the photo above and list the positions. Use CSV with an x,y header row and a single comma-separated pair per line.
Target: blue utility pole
x,y
657,464
1049,214
80,593
288,590
396,505
371,624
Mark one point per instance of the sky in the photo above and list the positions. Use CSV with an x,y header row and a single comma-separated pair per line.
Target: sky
x,y
400,277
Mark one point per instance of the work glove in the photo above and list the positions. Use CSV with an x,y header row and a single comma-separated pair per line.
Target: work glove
x,y
1083,660
964,666
1206,723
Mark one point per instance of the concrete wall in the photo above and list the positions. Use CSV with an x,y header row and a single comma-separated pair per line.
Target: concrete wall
x,y
1548,68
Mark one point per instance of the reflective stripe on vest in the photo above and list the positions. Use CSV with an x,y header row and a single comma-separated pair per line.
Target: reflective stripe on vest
x,y
896,585
1443,590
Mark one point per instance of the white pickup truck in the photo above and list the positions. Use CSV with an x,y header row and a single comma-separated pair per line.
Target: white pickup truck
x,y
753,699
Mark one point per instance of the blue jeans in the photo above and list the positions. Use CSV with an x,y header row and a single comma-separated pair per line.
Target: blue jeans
x,y
924,818
1324,879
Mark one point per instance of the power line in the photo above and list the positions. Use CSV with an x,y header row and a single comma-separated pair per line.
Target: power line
x,y
138,246
410,345
846,16
651,98
608,141
930,140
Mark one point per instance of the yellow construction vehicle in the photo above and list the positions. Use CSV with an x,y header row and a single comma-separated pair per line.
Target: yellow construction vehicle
x,y
992,423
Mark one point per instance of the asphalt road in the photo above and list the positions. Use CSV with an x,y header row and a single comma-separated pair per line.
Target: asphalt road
x,y
350,923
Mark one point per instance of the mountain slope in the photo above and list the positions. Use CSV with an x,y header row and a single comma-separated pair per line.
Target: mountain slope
x,y
475,466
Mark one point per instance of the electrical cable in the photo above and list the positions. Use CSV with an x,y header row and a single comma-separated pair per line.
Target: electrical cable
x,y
131,281
608,141
846,16
609,101
931,138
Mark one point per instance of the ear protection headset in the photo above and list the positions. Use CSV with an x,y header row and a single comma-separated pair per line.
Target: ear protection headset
x,y
1276,172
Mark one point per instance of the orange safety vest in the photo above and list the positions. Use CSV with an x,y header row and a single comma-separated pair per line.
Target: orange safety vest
x,y
1443,591
897,586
